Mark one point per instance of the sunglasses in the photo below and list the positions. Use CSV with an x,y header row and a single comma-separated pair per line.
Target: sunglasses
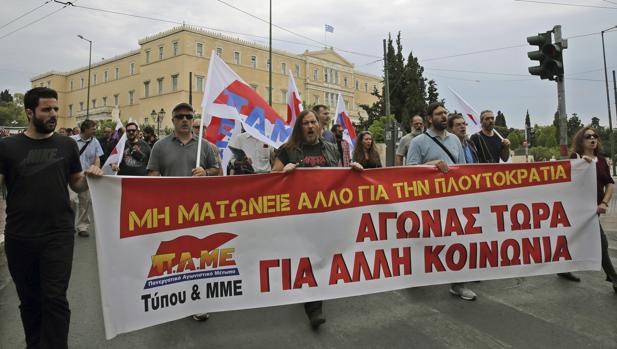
x,y
184,116
134,130
591,136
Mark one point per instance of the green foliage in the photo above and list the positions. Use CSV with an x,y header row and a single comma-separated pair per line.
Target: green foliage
x,y
12,111
544,153
500,119
5,96
516,139
378,127
433,94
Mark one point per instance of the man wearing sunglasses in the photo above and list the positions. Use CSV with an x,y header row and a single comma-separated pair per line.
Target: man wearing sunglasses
x,y
175,155
136,154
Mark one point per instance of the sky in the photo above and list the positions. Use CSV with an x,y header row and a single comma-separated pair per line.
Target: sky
x,y
445,35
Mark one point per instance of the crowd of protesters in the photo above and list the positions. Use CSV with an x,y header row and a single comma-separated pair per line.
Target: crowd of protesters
x,y
43,186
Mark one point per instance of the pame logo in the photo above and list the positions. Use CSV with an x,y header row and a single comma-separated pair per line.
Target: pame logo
x,y
187,258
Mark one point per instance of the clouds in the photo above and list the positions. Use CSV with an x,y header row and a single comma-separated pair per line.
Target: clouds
x,y
430,28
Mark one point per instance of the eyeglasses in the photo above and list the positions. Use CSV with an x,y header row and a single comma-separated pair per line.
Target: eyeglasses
x,y
184,116
591,136
131,130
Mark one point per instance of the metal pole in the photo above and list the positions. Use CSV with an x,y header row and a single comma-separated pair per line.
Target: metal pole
x,y
270,60
561,98
191,88
608,101
386,96
612,154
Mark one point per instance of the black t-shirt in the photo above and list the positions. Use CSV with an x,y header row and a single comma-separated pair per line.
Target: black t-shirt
x,y
36,173
313,156
489,148
135,159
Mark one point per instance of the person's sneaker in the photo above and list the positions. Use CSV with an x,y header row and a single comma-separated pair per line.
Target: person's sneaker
x,y
83,233
201,317
316,318
463,292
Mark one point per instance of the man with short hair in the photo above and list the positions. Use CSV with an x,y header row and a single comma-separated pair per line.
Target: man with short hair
x,y
491,147
149,136
215,149
417,127
342,145
438,147
176,154
458,126
38,166
258,155
323,115
90,153
107,143
136,154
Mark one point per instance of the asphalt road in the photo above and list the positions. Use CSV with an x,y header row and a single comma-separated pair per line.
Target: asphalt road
x,y
535,312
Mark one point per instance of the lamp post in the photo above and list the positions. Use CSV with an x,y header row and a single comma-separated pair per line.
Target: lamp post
x,y
154,117
608,99
89,68
159,118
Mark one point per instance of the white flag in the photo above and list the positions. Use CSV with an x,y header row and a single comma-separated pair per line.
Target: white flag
x,y
115,157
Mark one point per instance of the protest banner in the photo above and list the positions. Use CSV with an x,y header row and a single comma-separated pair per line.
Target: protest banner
x,y
171,247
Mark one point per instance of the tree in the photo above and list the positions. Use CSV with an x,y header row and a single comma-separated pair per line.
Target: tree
x,y
5,96
500,119
515,139
415,88
378,127
528,130
544,153
433,95
595,122
574,124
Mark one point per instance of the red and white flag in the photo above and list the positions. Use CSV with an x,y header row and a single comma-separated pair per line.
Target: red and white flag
x,y
227,96
349,133
294,102
471,115
115,157
219,131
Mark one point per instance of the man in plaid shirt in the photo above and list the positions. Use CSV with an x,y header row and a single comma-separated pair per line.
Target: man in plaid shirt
x,y
342,145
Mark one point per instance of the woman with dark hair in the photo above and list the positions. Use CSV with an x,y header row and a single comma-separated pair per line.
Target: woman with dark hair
x,y
586,145
365,153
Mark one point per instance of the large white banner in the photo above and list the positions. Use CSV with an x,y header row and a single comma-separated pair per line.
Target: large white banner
x,y
171,247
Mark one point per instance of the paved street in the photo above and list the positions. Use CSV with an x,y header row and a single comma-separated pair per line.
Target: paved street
x,y
536,312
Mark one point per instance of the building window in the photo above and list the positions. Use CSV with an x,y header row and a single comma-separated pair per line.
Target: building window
x,y
336,77
146,121
174,83
48,83
346,105
254,87
104,101
159,82
283,96
117,73
345,81
116,100
81,106
160,53
81,83
70,110
94,79
254,62
199,83
315,74
219,52
146,89
268,64
237,57
147,56
132,69
284,68
357,85
105,76
131,97
93,103
365,86
71,85
316,99
297,70
175,48
325,75
199,49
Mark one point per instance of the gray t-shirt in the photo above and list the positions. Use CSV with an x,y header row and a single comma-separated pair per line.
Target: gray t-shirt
x,y
403,146
173,159
423,149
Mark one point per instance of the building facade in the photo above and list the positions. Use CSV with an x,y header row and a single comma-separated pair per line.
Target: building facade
x,y
171,66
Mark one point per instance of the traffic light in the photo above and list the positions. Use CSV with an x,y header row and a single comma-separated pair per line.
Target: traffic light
x,y
549,56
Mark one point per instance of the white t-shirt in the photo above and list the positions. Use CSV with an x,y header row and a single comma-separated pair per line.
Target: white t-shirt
x,y
258,151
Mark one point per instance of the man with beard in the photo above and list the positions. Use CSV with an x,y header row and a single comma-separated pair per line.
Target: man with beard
x,y
438,147
417,127
342,145
38,166
306,148
135,156
107,143
149,136
458,126
322,113
90,153
490,146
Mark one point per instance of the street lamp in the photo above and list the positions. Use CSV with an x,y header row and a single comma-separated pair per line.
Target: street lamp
x,y
608,99
159,118
89,68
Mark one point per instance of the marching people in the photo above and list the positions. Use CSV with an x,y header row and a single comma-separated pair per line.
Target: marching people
x,y
438,147
37,167
257,155
107,143
323,115
90,153
491,147
458,126
342,145
215,149
135,155
417,127
149,136
365,153
586,145
306,148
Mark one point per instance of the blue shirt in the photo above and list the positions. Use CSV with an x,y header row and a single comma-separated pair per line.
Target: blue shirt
x,y
88,156
423,149
468,153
